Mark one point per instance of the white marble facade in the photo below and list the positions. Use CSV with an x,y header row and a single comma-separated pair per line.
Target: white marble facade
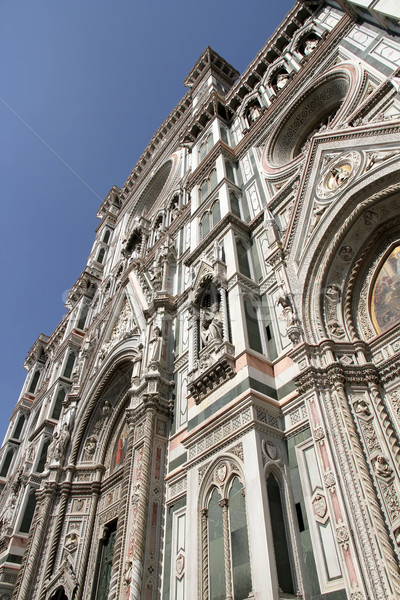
x,y
216,417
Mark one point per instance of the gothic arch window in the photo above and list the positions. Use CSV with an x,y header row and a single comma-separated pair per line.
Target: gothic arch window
x,y
6,463
206,146
56,411
28,511
243,258
205,225
239,206
208,185
100,256
225,545
69,365
252,317
279,535
224,135
19,426
59,594
34,382
83,316
106,236
385,297
43,456
210,219
230,171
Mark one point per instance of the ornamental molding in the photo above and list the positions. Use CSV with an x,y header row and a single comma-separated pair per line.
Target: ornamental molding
x,y
336,373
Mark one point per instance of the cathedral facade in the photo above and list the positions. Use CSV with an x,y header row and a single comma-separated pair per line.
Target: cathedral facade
x,y
217,415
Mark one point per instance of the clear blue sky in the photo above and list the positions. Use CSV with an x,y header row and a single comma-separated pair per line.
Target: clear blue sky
x,y
84,85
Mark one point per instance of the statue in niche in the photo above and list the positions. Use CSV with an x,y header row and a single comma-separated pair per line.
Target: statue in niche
x,y
281,80
90,446
310,46
157,230
58,446
211,324
174,209
7,516
156,275
156,348
253,113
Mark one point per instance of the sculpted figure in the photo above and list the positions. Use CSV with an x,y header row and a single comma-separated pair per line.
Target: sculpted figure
x,y
382,467
285,301
282,80
310,46
253,113
211,325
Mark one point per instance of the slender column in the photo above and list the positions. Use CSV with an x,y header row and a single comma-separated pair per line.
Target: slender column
x,y
224,311
24,590
142,508
55,539
204,545
88,538
227,545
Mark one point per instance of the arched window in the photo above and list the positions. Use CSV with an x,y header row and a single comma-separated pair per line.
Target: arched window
x,y
59,594
7,463
213,179
58,404
215,213
82,317
100,256
205,225
106,236
227,545
239,206
18,428
252,324
230,173
208,185
28,512
224,135
203,150
279,536
204,190
243,259
34,382
216,548
43,456
206,146
69,365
